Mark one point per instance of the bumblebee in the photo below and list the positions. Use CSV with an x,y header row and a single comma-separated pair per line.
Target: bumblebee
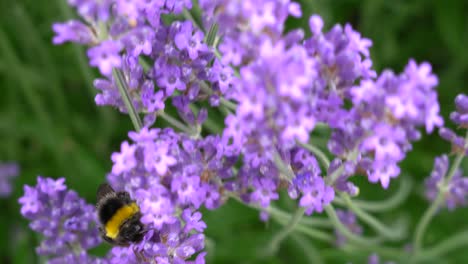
x,y
119,216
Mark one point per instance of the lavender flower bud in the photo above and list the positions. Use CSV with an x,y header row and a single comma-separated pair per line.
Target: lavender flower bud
x,y
457,189
348,218
8,171
315,194
460,117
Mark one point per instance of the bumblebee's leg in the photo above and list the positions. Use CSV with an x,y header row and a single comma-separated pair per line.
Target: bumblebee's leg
x,y
101,231
108,239
139,255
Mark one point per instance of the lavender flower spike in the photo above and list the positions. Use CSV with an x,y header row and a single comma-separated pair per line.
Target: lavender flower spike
x,y
67,223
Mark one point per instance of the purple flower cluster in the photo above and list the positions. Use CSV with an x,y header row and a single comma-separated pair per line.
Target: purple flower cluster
x,y
283,85
158,61
242,23
171,176
169,173
344,170
261,185
315,194
456,192
287,86
130,11
384,119
171,244
275,103
8,171
342,55
67,223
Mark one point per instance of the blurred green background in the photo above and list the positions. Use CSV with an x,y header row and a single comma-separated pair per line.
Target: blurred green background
x,y
50,124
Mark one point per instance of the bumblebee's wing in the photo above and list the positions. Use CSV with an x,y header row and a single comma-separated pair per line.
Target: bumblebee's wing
x,y
104,190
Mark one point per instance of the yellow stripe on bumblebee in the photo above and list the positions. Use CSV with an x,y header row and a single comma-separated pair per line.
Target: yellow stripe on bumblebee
x,y
124,213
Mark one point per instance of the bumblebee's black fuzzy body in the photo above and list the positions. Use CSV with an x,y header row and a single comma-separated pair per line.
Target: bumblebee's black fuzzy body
x,y
109,208
119,216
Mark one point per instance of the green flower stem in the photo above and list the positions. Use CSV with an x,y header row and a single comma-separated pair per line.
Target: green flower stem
x,y
386,205
310,232
288,228
209,124
396,254
123,90
431,211
392,234
187,15
219,56
362,241
317,152
176,123
369,244
308,221
424,223
310,251
459,240
283,218
230,105
316,234
334,176
211,38
225,111
212,126
282,167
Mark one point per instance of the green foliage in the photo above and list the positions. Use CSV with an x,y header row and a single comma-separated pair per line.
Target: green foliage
x,y
51,126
